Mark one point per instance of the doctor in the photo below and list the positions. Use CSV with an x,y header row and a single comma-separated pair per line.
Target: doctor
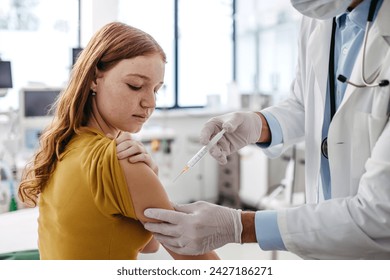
x,y
346,128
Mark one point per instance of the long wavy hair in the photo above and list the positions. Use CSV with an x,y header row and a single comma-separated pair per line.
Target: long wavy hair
x,y
112,43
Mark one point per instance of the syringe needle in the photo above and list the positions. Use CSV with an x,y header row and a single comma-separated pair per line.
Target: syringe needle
x,y
184,170
198,156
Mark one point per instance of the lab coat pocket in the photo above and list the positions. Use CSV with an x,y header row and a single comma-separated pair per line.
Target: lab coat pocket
x,y
375,127
367,128
361,150
372,114
380,104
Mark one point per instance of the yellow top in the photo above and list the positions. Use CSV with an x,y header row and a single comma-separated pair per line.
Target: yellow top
x,y
86,211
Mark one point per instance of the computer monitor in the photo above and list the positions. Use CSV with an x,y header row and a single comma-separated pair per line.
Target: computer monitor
x,y
35,113
75,54
38,102
5,74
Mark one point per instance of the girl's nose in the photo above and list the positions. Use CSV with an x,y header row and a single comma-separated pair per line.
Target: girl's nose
x,y
149,99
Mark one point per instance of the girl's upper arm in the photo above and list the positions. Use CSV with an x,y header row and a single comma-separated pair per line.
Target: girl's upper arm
x,y
145,189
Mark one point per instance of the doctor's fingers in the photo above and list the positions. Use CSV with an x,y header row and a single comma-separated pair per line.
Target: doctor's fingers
x,y
219,155
210,128
164,215
173,243
226,144
163,229
184,250
193,208
233,121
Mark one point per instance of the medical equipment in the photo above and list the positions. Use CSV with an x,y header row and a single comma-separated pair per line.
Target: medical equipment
x,y
199,155
8,201
342,78
5,77
366,83
5,74
35,113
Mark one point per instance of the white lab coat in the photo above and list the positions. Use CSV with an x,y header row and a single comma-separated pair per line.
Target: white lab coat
x,y
355,223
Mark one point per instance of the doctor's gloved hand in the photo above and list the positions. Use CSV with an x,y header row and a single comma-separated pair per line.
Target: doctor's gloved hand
x,y
242,128
196,228
134,150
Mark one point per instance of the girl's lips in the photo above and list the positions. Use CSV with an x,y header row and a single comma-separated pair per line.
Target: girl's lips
x,y
141,117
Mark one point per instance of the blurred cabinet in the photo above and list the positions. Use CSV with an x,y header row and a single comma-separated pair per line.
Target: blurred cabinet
x,y
255,178
229,182
261,176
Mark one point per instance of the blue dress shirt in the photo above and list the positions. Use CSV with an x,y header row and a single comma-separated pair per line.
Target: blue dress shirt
x,y
348,40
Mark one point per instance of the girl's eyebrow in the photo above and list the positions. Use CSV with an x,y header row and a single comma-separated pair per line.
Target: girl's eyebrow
x,y
138,75
142,77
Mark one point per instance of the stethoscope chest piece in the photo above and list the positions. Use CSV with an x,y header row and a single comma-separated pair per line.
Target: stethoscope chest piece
x,y
324,147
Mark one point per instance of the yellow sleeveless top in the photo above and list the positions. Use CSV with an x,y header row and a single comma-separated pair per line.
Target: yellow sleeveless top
x,y
86,211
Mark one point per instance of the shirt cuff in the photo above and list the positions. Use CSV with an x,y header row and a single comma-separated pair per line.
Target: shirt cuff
x,y
276,131
267,231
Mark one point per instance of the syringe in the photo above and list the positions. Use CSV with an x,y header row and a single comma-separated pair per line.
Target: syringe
x,y
199,155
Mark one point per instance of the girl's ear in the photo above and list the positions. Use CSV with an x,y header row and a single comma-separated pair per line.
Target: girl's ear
x,y
94,81
94,85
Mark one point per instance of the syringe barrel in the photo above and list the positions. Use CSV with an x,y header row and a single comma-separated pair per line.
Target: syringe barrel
x,y
197,156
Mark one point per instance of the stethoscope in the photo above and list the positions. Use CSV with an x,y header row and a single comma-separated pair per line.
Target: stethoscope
x,y
343,79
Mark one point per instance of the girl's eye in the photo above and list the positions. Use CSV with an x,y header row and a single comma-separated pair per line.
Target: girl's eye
x,y
158,89
134,87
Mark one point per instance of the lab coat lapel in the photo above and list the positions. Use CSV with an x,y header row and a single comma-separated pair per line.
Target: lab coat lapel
x,y
318,47
376,50
318,50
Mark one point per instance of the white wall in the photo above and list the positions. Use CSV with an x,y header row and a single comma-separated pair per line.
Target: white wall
x,y
95,14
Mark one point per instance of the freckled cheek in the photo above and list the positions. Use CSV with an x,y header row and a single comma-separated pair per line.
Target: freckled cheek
x,y
121,112
115,110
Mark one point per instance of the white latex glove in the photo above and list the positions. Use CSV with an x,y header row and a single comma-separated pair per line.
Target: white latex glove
x,y
196,228
242,128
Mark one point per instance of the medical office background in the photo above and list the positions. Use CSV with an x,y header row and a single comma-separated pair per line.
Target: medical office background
x,y
223,56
